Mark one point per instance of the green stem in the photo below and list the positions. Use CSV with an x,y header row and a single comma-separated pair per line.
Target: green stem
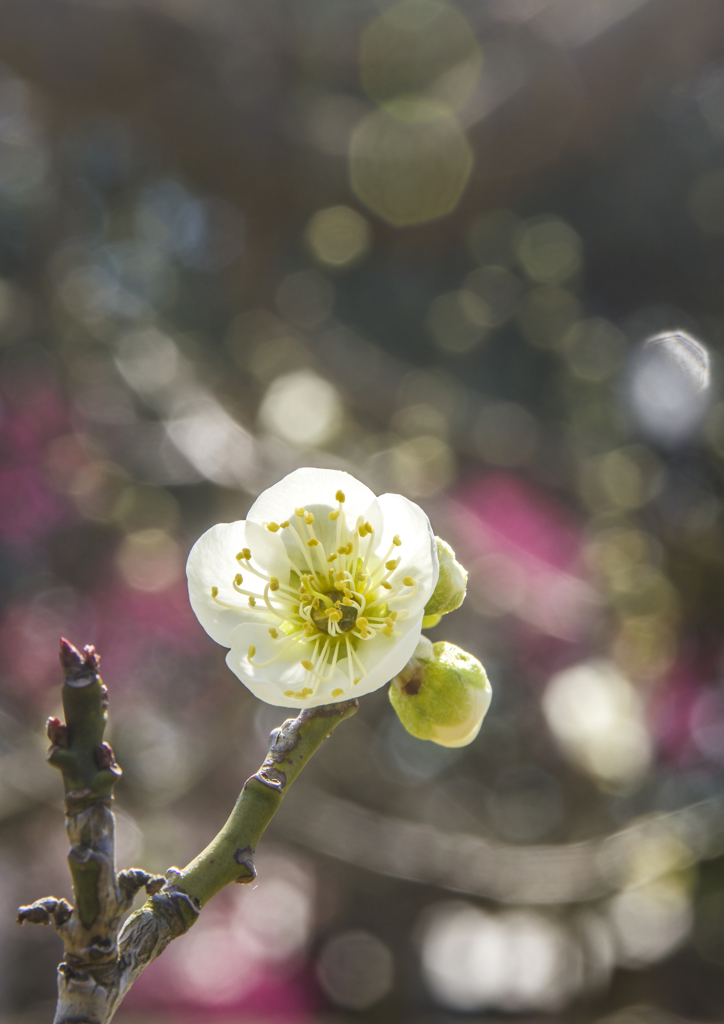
x,y
230,855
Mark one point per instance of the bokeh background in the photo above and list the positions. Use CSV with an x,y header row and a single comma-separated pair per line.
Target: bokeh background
x,y
425,242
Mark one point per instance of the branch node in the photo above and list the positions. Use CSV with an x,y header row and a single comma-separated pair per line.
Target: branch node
x,y
45,911
245,859
134,879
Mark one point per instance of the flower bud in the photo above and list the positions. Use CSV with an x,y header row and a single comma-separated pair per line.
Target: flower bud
x,y
442,694
452,584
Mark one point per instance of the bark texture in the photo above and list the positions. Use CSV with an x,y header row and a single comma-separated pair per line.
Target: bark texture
x,y
103,957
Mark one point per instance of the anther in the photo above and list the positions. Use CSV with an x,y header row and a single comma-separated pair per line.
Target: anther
x,y
313,542
274,583
272,527
336,693
357,680
308,665
273,633
396,540
284,525
334,514
388,586
214,591
238,579
300,512
369,528
252,602
309,518
392,564
252,651
387,631
408,581
331,558
340,496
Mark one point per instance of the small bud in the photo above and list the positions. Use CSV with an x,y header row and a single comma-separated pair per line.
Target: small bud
x,y
452,583
57,732
442,694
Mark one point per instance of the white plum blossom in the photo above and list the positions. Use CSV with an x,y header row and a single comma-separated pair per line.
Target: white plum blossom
x,y
320,592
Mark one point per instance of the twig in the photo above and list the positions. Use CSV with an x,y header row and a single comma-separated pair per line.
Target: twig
x,y
102,960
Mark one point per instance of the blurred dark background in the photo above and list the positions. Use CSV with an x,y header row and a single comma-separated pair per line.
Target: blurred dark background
x,y
425,242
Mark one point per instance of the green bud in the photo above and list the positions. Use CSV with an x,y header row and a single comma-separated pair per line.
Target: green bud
x,y
442,694
452,583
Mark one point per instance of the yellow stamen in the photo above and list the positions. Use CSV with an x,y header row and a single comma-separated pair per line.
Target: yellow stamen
x,y
301,512
396,540
312,543
357,680
387,631
331,558
386,585
272,527
334,515
340,496
252,602
238,579
252,651
284,525
408,581
214,591
309,518
274,583
273,633
392,564
244,555
308,665
336,693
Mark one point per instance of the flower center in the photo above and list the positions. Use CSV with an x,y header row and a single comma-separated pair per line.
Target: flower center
x,y
347,613
344,586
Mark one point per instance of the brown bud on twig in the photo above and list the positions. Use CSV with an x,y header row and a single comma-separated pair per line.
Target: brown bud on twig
x,y
80,669
57,732
105,758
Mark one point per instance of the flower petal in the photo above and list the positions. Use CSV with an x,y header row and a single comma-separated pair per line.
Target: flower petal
x,y
212,563
287,671
392,515
464,733
306,487
385,666
382,657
